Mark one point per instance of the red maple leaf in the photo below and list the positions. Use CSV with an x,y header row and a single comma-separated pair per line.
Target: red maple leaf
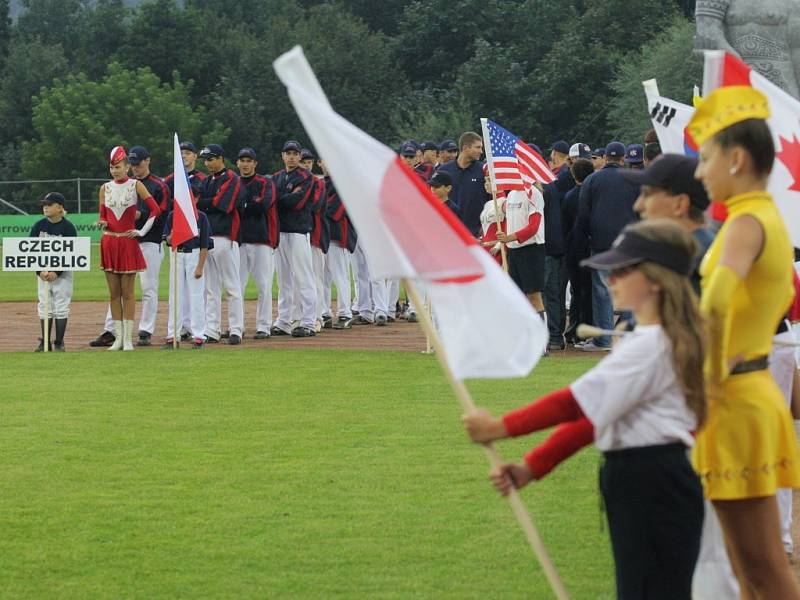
x,y
790,156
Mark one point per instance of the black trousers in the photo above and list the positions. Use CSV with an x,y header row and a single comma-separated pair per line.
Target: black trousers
x,y
654,506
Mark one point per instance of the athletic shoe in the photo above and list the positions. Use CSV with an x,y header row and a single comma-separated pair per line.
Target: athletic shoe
x,y
592,347
103,340
144,339
198,344
186,336
275,330
412,317
234,340
579,344
556,347
359,320
167,345
211,340
299,332
295,324
318,326
225,335
390,319
58,347
343,323
327,321
380,320
40,347
261,335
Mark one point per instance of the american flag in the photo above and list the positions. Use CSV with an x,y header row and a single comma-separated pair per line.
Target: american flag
x,y
514,165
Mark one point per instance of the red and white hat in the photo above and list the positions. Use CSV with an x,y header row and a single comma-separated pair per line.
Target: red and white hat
x,y
117,154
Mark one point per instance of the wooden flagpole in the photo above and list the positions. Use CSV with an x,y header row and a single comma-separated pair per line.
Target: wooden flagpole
x,y
468,406
176,328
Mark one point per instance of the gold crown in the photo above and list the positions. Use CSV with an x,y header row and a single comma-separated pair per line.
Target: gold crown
x,y
724,107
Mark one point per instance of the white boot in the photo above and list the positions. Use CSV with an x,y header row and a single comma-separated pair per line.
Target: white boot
x,y
117,345
127,342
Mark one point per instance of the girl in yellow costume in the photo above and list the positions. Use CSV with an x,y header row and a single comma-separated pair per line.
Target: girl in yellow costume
x,y
747,448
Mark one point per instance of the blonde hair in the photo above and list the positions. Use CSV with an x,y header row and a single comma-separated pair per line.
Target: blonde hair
x,y
679,310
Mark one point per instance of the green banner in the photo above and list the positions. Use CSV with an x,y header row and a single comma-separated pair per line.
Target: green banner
x,y
20,225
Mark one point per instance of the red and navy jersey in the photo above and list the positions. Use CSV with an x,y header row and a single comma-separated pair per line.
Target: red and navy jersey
x,y
260,213
163,198
424,170
222,196
342,232
295,191
321,234
196,179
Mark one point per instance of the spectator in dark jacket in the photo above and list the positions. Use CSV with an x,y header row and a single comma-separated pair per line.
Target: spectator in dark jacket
x,y
466,171
606,206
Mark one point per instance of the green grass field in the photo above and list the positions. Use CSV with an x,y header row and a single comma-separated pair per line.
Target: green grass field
x,y
274,474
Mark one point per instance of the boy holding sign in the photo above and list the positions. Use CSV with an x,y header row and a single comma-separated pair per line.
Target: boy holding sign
x,y
59,290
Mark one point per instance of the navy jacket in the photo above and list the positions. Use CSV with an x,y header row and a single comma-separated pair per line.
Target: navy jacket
x,y
196,179
553,229
162,196
342,232
321,233
260,215
295,190
606,207
222,197
467,197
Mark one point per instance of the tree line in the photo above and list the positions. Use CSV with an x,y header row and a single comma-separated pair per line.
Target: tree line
x,y
80,76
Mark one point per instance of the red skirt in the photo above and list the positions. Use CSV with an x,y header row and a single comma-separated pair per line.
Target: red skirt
x,y
121,255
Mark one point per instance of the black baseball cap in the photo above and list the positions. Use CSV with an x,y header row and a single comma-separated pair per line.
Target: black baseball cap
x,y
291,146
615,150
137,154
53,198
561,146
188,146
448,145
247,152
580,150
440,178
428,146
408,149
211,151
631,248
674,173
305,154
599,152
634,154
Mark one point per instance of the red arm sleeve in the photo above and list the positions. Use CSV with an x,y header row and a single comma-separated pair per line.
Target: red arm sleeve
x,y
151,204
530,229
552,409
565,441
491,233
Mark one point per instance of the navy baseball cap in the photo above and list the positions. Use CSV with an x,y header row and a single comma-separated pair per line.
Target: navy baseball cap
x,y
53,198
292,146
561,146
212,150
615,150
408,149
634,154
188,146
599,152
673,173
448,145
305,154
580,150
428,146
631,248
137,154
440,178
247,152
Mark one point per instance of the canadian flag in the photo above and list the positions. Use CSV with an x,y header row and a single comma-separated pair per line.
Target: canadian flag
x,y
488,327
184,213
722,69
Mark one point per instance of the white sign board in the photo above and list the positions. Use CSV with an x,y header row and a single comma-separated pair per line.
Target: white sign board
x,y
46,254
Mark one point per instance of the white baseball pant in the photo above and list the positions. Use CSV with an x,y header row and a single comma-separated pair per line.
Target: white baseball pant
x,y
189,289
337,271
153,255
222,270
393,291
295,275
372,293
318,260
60,296
258,260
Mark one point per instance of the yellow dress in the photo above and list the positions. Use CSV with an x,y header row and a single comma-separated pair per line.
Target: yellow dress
x,y
747,447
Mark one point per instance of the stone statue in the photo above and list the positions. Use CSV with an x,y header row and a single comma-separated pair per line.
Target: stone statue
x,y
764,33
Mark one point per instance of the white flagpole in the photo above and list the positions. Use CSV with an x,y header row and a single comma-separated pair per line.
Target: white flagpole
x,y
487,147
468,406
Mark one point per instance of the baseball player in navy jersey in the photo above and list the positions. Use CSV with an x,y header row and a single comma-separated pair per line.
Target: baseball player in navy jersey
x,y
196,179
222,197
259,236
60,290
320,239
295,189
139,158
